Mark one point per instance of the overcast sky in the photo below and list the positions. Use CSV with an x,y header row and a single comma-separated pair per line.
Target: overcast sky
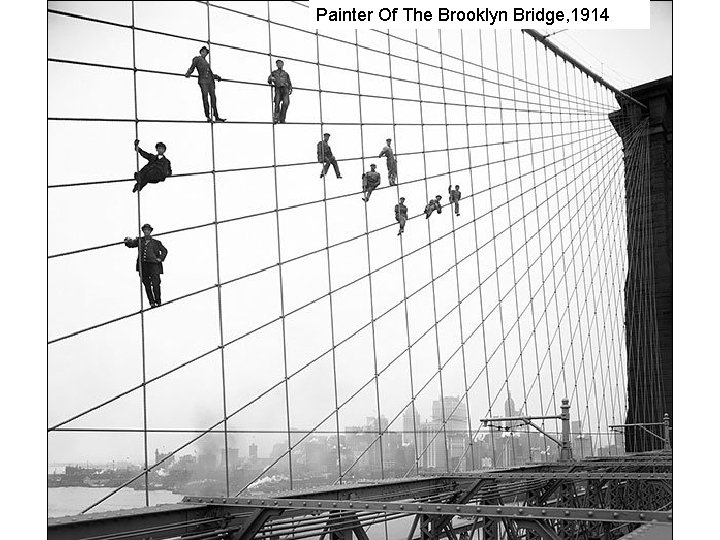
x,y
565,190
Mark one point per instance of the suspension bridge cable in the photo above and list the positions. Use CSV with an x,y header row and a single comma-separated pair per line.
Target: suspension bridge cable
x,y
406,313
185,445
563,360
140,263
283,314
580,232
543,315
329,274
366,198
432,271
295,311
282,165
455,255
309,203
447,361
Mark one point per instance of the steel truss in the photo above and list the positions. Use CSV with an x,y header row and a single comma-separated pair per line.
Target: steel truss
x,y
602,498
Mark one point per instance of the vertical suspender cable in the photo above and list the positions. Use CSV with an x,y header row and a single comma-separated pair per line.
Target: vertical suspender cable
x,y
140,270
543,454
280,280
487,160
370,287
219,291
552,251
432,272
497,273
512,243
457,274
329,280
477,249
402,269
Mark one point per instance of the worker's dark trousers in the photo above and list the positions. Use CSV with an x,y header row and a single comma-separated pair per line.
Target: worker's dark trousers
x,y
205,89
401,220
151,281
457,207
148,177
331,161
282,95
392,171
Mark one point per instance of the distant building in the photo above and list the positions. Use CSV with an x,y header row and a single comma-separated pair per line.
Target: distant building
x,y
253,451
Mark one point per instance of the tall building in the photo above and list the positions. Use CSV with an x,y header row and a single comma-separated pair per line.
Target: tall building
x,y
410,424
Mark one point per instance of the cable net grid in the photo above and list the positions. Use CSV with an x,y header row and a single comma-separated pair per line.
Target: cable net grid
x,y
296,321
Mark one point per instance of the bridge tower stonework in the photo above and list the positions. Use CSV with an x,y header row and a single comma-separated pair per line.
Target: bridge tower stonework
x,y
648,290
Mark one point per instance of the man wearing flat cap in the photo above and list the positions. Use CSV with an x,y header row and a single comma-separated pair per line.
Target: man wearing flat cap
x,y
370,180
206,80
280,79
325,156
152,254
157,169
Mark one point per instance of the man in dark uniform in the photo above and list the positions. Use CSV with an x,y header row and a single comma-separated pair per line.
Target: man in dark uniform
x,y
325,156
206,80
455,198
401,214
153,254
280,79
370,180
157,169
433,205
391,162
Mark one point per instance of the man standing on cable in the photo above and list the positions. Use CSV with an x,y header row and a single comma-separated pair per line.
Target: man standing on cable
x,y
325,156
370,180
153,254
157,169
455,198
280,79
391,162
206,80
401,214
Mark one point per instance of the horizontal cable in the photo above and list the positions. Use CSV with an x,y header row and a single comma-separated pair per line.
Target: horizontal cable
x,y
343,68
77,332
56,426
315,162
227,417
576,112
353,194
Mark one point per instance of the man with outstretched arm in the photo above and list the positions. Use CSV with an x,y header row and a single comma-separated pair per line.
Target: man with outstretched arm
x,y
391,162
157,169
206,80
152,254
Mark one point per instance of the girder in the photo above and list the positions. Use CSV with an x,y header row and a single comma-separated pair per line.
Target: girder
x,y
589,499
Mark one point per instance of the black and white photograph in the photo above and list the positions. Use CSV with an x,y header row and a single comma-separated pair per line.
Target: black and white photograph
x,y
331,278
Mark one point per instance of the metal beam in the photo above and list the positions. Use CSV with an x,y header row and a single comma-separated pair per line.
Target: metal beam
x,y
164,521
465,510
590,73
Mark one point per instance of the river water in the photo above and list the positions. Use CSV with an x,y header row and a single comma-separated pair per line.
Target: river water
x,y
67,501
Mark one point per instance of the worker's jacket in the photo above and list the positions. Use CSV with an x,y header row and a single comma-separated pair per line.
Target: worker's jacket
x,y
152,251
371,179
323,151
280,78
